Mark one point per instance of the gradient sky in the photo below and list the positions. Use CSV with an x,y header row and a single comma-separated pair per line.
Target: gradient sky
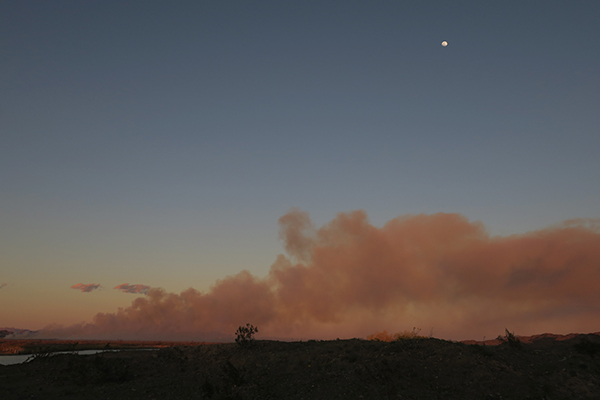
x,y
158,143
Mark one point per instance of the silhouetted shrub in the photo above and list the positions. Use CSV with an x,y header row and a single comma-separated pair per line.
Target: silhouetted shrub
x,y
510,338
245,334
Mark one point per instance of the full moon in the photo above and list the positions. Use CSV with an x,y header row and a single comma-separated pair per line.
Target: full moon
x,y
444,43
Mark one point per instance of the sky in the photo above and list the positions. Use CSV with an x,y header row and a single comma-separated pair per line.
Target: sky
x,y
200,165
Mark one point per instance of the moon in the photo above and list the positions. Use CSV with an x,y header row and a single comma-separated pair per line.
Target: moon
x,y
444,43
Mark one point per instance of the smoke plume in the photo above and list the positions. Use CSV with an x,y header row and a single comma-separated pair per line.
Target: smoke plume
x,y
127,288
350,279
85,287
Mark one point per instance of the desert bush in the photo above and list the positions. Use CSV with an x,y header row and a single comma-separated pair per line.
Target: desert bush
x,y
510,338
245,334
384,336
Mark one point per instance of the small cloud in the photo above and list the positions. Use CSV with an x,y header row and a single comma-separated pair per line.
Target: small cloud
x,y
85,287
2,285
127,288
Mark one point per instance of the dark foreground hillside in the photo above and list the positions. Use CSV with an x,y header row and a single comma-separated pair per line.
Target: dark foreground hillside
x,y
342,369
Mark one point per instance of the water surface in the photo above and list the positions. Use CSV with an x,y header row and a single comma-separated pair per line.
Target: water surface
x,y
10,359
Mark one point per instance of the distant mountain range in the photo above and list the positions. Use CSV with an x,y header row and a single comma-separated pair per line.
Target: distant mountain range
x,y
543,338
6,332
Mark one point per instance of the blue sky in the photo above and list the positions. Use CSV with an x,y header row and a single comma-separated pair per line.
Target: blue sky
x,y
158,143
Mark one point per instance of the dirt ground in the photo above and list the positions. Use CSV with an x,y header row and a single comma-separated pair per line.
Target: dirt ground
x,y
420,368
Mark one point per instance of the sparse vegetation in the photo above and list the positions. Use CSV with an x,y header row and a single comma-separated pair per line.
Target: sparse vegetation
x,y
384,336
510,338
245,334
424,369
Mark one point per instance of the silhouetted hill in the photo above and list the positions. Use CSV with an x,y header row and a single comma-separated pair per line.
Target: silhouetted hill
x,y
341,369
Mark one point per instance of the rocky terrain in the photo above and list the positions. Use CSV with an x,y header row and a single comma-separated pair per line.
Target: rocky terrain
x,y
418,368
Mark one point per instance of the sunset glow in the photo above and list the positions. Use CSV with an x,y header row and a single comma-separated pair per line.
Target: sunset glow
x,y
317,169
